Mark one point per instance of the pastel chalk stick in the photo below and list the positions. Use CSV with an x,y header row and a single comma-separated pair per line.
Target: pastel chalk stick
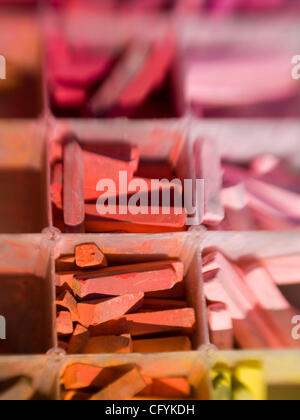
x,y
277,310
73,183
64,324
237,212
163,217
126,387
107,96
151,74
284,270
65,263
108,344
67,301
227,286
68,97
79,376
249,382
208,167
89,256
220,326
134,278
222,382
162,345
98,167
95,312
161,304
78,340
177,321
164,225
168,388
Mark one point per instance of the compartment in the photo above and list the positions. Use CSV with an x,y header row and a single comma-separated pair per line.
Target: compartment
x,y
22,178
26,297
259,182
135,249
108,66
263,314
280,370
20,45
164,154
186,365
249,76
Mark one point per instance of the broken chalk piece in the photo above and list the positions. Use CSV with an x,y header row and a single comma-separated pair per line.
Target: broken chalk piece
x,y
162,345
79,376
67,301
124,388
95,312
178,320
89,256
108,344
78,340
107,96
167,388
145,277
64,324
220,326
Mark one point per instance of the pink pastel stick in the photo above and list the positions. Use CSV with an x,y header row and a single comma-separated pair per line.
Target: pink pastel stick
x,y
226,285
107,96
283,270
277,310
237,213
220,326
151,74
243,81
272,170
287,202
208,167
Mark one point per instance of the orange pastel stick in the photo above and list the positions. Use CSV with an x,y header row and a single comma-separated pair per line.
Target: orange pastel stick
x,y
134,278
178,321
79,376
89,256
67,301
124,388
168,388
64,324
95,312
108,344
162,345
78,340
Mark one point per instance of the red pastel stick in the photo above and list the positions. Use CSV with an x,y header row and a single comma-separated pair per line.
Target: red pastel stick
x,y
74,214
151,74
109,93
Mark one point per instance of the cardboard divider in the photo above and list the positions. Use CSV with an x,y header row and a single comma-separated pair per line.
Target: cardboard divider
x,y
23,183
25,303
40,372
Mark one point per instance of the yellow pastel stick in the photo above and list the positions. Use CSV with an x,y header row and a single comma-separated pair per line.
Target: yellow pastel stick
x,y
248,382
222,382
